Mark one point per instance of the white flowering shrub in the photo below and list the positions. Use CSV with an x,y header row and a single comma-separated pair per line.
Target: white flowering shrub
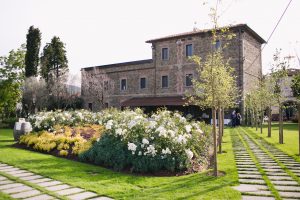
x,y
132,140
162,141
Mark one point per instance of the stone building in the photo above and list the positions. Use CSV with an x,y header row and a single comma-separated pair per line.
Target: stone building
x,y
163,80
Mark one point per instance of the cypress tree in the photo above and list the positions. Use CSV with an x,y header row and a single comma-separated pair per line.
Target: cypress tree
x,y
33,44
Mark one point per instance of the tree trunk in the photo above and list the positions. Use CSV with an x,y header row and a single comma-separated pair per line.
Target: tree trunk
x,y
220,129
269,121
280,125
261,121
252,118
299,125
222,115
215,142
256,121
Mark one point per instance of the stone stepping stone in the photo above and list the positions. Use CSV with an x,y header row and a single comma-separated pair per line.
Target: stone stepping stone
x,y
267,161
280,178
256,198
269,164
276,174
292,165
271,167
17,172
81,196
5,167
2,178
249,172
290,194
3,187
50,183
250,187
23,174
26,194
287,188
17,189
58,187
28,178
273,170
10,170
245,163
247,169
40,180
251,176
260,193
43,197
4,182
69,191
254,181
101,198
285,183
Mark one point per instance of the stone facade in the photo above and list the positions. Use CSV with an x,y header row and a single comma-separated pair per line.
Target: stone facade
x,y
101,85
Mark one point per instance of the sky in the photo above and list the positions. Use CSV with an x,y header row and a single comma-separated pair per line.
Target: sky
x,y
99,32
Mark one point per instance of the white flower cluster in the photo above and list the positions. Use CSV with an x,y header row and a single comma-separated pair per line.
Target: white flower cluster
x,y
163,134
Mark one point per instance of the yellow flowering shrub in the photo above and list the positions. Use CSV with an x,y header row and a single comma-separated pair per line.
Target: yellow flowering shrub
x,y
64,138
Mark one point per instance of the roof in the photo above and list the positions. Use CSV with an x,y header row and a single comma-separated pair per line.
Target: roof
x,y
154,101
199,32
137,62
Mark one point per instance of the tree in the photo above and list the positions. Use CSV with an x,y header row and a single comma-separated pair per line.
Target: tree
x,y
214,85
11,79
54,68
296,92
278,78
35,95
32,51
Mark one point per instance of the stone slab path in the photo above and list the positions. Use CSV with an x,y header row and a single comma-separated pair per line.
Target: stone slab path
x,y
22,186
264,171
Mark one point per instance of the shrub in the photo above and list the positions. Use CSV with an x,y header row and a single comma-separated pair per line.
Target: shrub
x,y
64,139
165,141
131,140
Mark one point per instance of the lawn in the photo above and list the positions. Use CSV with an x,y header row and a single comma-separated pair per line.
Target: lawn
x,y
290,135
126,186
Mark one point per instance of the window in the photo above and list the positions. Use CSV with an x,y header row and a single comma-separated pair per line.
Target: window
x,y
165,53
189,50
105,85
123,84
188,80
164,82
218,44
143,83
90,106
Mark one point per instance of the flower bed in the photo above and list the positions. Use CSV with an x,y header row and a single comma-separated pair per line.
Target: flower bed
x,y
65,140
131,140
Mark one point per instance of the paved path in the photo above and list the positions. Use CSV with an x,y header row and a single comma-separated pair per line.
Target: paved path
x,y
264,171
23,184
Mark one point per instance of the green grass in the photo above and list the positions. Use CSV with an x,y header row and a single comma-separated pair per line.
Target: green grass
x,y
126,186
290,138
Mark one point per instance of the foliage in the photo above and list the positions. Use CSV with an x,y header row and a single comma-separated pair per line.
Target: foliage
x,y
164,140
296,86
11,79
54,69
64,139
35,95
32,54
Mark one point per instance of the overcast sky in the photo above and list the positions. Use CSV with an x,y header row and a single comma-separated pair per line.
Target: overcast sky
x,y
102,32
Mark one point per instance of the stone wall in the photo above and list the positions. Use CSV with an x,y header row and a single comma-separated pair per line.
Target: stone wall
x,y
241,50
